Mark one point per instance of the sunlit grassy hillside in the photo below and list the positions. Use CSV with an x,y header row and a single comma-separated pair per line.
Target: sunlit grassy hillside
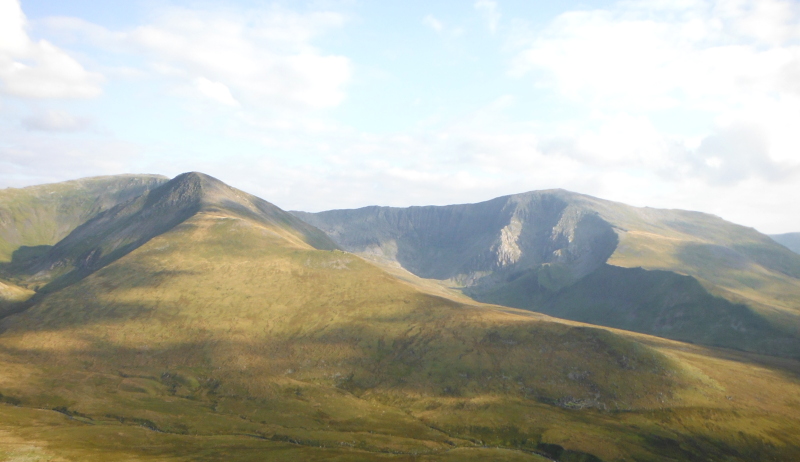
x,y
12,296
238,334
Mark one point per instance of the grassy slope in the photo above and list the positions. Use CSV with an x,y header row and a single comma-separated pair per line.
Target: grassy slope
x,y
732,261
12,296
228,338
10,292
654,302
34,218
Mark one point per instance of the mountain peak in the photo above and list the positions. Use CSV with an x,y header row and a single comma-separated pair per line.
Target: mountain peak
x,y
189,187
125,227
204,192
198,180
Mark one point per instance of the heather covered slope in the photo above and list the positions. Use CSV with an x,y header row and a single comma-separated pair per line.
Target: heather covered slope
x,y
238,336
539,250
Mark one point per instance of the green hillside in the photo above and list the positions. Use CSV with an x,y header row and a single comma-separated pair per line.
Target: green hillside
x,y
655,302
550,251
34,218
240,333
12,297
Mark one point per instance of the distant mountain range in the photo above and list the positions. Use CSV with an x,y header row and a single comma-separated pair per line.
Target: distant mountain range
x,y
789,240
153,319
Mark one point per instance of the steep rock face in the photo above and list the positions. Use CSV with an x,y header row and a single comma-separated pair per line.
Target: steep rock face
x,y
474,244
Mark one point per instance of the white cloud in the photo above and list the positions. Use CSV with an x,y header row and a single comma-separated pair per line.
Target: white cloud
x,y
55,121
433,23
707,54
265,57
216,91
38,69
733,63
489,10
739,152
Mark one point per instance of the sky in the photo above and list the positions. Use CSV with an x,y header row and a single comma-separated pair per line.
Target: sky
x,y
325,104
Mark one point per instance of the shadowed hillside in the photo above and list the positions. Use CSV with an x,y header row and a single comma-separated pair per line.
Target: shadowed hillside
x,y
539,250
227,330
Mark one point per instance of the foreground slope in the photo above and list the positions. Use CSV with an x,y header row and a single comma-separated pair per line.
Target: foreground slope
x,y
701,279
241,334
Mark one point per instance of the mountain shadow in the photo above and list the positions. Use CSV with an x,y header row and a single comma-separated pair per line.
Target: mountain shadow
x,y
656,302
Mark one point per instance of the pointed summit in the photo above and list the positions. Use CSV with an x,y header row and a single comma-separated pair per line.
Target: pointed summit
x,y
118,231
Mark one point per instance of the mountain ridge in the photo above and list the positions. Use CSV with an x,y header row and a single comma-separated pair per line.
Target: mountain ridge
x,y
527,250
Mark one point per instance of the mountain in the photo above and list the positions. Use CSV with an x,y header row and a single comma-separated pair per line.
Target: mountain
x,y
119,230
789,240
677,274
35,218
197,322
